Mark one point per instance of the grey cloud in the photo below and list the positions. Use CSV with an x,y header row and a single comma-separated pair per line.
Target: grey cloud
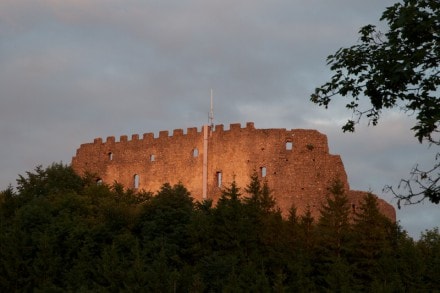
x,y
74,70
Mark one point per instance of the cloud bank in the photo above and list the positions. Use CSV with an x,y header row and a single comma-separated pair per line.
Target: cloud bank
x,y
74,70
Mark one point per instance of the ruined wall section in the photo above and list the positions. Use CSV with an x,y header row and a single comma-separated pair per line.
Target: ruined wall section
x,y
166,158
300,175
356,198
295,163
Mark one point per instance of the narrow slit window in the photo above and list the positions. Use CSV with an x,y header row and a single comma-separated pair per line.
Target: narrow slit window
x,y
263,171
136,181
110,156
219,179
289,145
195,153
152,158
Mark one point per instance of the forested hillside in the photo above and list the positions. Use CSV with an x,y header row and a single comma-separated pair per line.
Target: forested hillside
x,y
60,232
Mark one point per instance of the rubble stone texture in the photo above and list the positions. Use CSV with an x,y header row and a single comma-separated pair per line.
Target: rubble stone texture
x,y
295,163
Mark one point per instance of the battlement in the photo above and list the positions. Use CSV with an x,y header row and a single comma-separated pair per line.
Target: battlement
x,y
191,131
295,163
219,129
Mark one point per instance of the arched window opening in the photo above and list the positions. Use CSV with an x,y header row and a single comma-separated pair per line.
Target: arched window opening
x,y
110,156
195,153
152,158
289,145
219,179
99,181
263,171
136,181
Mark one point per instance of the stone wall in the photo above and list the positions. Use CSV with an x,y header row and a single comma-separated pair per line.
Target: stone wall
x,y
296,163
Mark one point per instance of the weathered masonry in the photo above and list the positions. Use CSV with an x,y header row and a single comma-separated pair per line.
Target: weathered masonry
x,y
295,163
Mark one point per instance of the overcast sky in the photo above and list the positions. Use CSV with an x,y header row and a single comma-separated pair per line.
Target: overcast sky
x,y
73,70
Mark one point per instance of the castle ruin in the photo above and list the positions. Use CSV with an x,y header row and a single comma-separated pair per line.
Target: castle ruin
x,y
296,164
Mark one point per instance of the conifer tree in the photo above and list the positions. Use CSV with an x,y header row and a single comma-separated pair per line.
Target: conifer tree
x,y
230,195
267,201
302,263
254,189
307,230
372,238
333,225
228,219
260,196
333,234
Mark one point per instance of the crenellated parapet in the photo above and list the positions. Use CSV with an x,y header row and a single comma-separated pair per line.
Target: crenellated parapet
x,y
190,131
295,163
235,129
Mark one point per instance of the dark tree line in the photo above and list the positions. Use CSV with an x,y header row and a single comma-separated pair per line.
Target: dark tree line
x,y
60,232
